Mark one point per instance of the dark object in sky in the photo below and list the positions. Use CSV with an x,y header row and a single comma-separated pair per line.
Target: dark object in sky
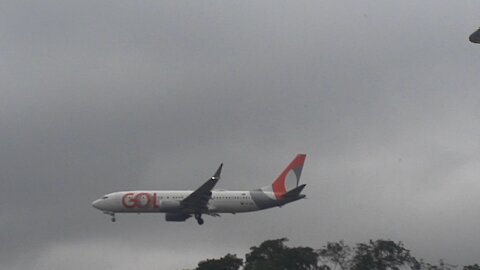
x,y
475,37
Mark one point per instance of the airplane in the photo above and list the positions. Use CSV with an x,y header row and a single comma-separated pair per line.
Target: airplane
x,y
182,204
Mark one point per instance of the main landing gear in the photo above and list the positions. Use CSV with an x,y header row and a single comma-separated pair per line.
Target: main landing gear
x,y
199,218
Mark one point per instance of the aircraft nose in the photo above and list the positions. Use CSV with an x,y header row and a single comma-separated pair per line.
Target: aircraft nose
x,y
96,204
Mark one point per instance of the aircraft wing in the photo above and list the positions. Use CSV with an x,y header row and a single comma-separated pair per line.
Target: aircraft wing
x,y
198,199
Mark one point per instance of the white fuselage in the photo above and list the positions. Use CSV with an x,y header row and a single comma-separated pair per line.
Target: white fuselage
x,y
164,201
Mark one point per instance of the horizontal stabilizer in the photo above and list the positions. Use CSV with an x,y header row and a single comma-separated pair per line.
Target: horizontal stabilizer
x,y
294,192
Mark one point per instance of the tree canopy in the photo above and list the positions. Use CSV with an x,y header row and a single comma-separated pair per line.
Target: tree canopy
x,y
274,255
471,267
336,254
382,255
228,262
374,255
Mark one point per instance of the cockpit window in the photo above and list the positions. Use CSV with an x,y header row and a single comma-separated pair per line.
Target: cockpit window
x,y
104,197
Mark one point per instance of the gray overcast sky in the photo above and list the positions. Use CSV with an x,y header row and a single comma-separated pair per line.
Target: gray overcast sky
x,y
100,96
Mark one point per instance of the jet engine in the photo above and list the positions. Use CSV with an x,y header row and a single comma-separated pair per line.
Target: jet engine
x,y
176,216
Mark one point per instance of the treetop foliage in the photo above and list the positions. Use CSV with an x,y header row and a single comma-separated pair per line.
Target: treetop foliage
x,y
228,262
374,255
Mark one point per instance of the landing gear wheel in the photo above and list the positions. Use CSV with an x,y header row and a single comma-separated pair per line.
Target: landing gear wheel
x,y
199,219
112,215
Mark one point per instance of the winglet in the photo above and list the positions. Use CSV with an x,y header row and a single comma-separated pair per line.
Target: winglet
x,y
217,173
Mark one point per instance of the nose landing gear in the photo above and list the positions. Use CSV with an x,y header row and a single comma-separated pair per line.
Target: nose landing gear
x,y
113,219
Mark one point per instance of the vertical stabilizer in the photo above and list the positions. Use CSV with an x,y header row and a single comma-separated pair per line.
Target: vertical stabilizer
x,y
289,178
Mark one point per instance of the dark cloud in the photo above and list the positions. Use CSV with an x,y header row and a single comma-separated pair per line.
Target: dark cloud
x,y
105,96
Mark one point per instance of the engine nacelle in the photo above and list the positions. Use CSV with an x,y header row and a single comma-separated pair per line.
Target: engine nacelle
x,y
176,216
170,206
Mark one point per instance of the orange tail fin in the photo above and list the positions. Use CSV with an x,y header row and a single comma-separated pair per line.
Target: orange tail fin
x,y
290,177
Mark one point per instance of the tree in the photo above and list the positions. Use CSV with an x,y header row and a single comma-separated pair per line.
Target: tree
x,y
445,266
274,255
382,255
228,262
442,265
336,254
374,255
